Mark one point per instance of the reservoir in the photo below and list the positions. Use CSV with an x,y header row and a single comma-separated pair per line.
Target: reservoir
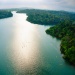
x,y
25,49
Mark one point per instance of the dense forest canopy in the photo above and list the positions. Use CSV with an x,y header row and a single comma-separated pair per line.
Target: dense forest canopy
x,y
66,32
5,14
64,28
47,17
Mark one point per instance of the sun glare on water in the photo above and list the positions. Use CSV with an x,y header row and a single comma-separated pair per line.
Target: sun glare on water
x,y
25,49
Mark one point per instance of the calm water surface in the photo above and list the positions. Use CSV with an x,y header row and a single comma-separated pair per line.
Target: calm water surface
x,y
25,49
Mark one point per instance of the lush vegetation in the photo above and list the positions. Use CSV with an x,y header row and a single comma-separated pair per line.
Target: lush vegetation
x,y
47,17
66,32
5,14
64,28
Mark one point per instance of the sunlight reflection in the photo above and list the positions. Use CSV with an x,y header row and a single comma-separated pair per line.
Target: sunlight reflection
x,y
25,45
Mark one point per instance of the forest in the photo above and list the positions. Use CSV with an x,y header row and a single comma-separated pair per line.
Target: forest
x,y
47,17
63,28
66,32
5,14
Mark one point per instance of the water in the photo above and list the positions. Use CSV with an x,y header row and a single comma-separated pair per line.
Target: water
x,y
25,49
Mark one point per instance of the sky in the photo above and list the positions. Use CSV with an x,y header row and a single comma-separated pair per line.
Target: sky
x,y
68,5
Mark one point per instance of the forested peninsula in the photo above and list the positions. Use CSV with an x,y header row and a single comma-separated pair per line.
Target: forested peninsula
x,y
63,28
66,32
47,17
5,14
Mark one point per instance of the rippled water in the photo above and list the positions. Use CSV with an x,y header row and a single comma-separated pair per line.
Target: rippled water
x,y
25,49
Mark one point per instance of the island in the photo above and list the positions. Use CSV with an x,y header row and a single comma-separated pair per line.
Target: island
x,y
47,17
66,32
5,14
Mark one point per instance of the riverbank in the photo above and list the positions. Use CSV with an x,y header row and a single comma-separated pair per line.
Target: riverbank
x,y
5,14
63,29
47,17
66,32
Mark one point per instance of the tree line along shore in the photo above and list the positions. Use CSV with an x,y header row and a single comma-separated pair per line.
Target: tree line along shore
x,y
5,14
63,28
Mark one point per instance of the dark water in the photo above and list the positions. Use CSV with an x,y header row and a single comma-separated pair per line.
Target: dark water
x,y
25,49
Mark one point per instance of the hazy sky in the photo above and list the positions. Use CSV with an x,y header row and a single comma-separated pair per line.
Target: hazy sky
x,y
42,4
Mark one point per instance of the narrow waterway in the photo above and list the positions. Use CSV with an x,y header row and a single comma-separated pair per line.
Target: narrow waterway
x,y
25,49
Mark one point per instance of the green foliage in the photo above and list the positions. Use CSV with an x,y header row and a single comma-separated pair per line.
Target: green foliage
x,y
66,32
5,14
47,17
